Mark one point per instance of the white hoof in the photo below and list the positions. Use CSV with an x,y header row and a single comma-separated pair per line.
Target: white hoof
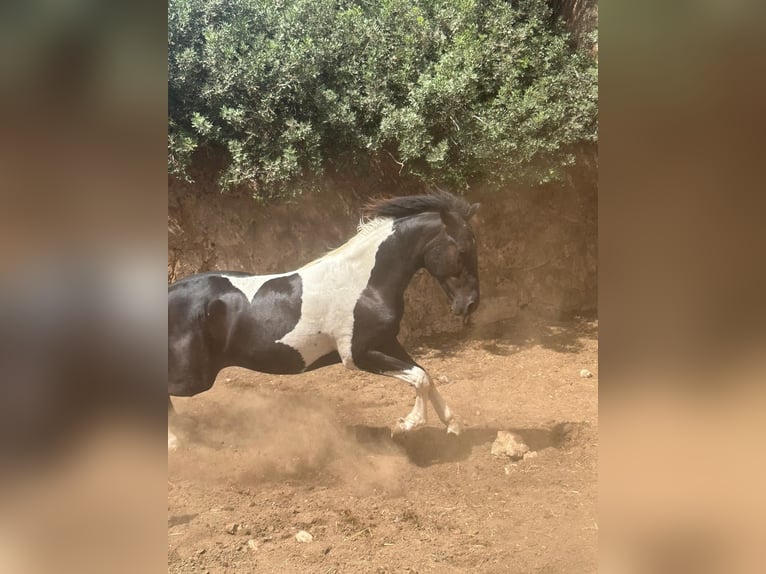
x,y
407,425
454,427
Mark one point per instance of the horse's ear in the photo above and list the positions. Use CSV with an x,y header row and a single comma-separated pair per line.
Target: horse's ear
x,y
473,209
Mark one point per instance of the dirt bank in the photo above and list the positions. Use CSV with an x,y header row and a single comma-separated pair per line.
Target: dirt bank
x,y
537,248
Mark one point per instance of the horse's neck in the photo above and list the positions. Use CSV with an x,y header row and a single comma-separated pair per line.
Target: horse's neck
x,y
413,235
401,258
396,257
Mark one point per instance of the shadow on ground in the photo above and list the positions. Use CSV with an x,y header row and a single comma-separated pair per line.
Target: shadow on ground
x,y
429,446
509,336
181,519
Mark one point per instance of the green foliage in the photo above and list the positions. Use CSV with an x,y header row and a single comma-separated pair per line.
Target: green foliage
x,y
452,91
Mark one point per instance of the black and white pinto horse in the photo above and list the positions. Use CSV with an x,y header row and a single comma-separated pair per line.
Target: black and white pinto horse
x,y
343,307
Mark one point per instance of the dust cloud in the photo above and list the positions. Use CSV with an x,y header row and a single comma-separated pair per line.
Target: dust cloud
x,y
260,438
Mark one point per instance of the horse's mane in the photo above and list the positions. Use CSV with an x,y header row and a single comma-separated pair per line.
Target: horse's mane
x,y
377,211
437,201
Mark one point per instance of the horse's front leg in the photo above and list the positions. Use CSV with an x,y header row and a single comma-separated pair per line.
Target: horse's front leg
x,y
445,414
383,364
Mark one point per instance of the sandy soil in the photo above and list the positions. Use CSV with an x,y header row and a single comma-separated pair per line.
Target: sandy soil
x,y
265,456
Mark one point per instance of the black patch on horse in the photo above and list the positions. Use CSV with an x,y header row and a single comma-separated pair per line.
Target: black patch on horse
x,y
274,312
331,358
197,331
278,305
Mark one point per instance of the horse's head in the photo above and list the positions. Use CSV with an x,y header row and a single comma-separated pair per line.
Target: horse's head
x,y
451,258
448,250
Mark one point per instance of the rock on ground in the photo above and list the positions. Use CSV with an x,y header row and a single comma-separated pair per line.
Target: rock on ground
x,y
303,536
509,444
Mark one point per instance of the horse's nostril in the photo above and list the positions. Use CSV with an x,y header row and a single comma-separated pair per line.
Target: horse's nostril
x,y
471,307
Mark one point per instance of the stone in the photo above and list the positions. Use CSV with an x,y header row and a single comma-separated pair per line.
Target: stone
x,y
586,374
303,536
252,544
232,528
530,454
509,445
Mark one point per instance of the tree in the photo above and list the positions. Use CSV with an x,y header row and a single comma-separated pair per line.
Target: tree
x,y
452,91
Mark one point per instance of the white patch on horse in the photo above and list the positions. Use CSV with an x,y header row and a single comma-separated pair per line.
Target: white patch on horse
x,y
332,285
250,284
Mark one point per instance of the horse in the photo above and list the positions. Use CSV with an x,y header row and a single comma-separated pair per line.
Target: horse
x,y
345,307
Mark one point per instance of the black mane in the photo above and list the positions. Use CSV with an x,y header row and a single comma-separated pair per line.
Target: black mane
x,y
438,201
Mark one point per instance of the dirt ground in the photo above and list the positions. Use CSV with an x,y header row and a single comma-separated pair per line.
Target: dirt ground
x,y
266,456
